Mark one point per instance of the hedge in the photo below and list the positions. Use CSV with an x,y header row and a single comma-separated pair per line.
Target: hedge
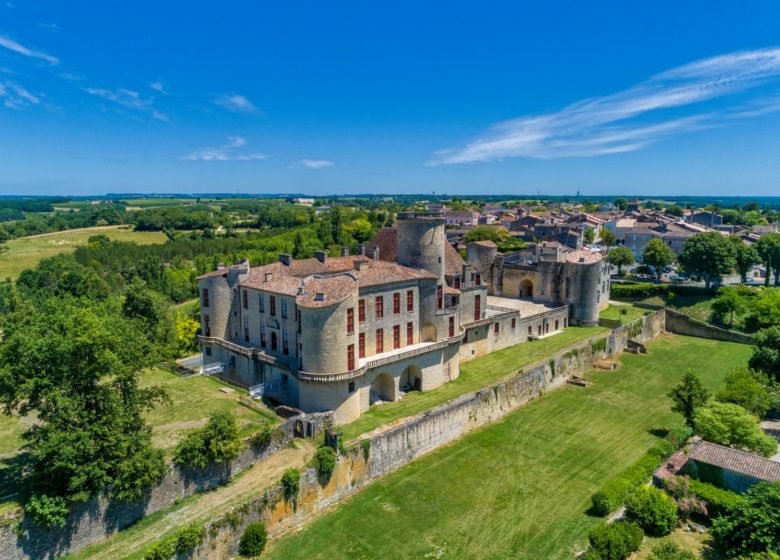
x,y
644,290
719,500
613,494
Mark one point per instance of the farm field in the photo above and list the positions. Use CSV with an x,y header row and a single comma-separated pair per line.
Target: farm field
x,y
474,375
520,488
26,252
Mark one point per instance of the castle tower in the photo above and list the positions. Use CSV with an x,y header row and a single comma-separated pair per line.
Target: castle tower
x,y
421,241
584,291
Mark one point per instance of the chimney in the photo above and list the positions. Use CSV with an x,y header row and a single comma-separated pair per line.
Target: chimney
x,y
321,256
285,259
268,276
359,264
345,251
300,290
375,253
362,250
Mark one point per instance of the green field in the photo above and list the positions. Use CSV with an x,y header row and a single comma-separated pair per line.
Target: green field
x,y
613,312
474,375
518,489
26,252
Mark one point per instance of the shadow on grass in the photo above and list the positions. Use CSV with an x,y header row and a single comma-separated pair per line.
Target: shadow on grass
x,y
13,487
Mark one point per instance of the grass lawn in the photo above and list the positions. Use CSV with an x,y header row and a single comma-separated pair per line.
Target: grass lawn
x,y
613,312
26,252
698,543
520,488
474,375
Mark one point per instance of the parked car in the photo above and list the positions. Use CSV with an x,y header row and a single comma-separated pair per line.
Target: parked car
x,y
678,278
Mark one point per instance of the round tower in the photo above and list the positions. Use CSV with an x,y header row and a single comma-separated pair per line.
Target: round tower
x,y
421,241
584,292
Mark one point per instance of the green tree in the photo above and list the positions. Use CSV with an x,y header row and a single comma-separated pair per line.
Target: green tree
x,y
730,424
653,510
621,203
668,550
620,257
360,229
607,236
615,541
3,234
216,442
75,364
709,255
729,302
766,353
589,236
675,210
764,309
657,255
754,524
745,257
768,248
744,388
497,234
253,540
688,396
325,460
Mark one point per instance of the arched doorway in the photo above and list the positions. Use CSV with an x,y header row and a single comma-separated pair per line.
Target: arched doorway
x,y
382,389
411,379
526,289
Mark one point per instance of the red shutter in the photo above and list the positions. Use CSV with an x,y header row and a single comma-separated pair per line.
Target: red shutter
x,y
380,343
350,320
396,303
409,333
396,336
350,357
477,312
362,311
362,345
410,300
452,326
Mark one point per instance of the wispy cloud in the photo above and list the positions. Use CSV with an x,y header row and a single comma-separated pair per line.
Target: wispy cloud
x,y
12,45
226,152
16,97
129,99
159,86
235,103
631,119
315,163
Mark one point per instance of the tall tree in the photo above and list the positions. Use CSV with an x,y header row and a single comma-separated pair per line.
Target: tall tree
x,y
745,257
730,424
766,352
608,237
589,235
620,257
753,526
769,249
657,255
688,396
709,255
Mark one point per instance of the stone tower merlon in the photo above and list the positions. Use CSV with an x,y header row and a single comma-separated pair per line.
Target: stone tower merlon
x,y
421,241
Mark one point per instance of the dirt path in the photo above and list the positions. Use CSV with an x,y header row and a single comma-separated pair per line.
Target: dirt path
x,y
207,506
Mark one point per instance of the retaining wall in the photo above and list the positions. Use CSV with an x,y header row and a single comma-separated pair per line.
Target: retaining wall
x,y
680,323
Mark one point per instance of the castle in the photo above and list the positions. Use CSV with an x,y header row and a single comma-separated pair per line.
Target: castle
x,y
341,333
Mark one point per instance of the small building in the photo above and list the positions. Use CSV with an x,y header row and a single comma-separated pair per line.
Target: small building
x,y
706,218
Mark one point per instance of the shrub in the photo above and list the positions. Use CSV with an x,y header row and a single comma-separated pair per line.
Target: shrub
x,y
766,555
753,525
615,541
612,495
189,537
719,500
217,441
325,460
679,436
264,435
670,551
253,540
291,481
47,511
653,510
161,550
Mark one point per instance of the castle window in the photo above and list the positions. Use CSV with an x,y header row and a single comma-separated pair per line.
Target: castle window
x,y
396,303
350,320
439,297
261,302
380,341
245,300
362,311
495,327
556,324
285,346
206,325
350,358
246,329
452,327
396,336
272,303
351,387
477,311
204,297
514,323
456,283
410,300
530,332
379,307
478,279
284,308
208,350
262,334
362,345
274,341
409,333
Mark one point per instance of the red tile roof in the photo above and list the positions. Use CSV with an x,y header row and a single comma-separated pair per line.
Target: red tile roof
x,y
736,461
387,241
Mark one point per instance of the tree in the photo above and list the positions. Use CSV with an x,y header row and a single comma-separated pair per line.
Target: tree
x,y
325,460
766,353
668,550
742,387
688,396
653,510
764,309
768,248
745,257
589,235
730,424
620,257
728,302
615,541
608,237
216,442
675,210
253,540
497,234
75,364
709,255
657,255
754,524
621,203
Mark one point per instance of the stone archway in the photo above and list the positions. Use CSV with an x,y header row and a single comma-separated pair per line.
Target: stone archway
x,y
411,379
526,289
383,388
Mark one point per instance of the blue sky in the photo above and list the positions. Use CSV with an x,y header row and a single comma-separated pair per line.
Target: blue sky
x,y
403,97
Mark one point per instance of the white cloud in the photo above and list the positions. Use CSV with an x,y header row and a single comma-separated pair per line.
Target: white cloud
x,y
16,97
236,103
129,99
158,86
12,45
225,152
611,124
315,163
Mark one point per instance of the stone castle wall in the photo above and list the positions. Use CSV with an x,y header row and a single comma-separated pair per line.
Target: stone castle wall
x,y
680,323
